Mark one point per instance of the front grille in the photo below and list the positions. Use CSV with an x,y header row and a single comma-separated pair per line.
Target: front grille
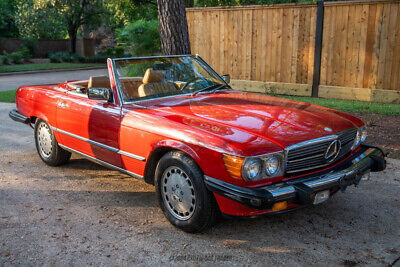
x,y
311,154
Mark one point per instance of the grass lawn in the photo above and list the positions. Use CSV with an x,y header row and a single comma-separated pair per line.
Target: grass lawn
x,y
350,106
8,96
46,66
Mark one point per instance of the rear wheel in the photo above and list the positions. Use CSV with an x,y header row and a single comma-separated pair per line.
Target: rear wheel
x,y
182,194
47,146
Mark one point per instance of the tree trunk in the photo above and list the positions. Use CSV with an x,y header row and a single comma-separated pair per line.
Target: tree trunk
x,y
174,32
72,40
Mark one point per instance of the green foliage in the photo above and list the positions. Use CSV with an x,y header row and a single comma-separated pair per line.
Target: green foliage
x,y
25,52
55,57
7,22
113,52
16,57
119,51
3,60
136,70
36,22
66,57
143,37
124,11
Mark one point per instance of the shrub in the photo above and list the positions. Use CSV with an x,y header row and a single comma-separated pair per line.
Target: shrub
x,y
24,51
16,57
4,60
66,57
119,51
81,59
55,57
58,57
142,36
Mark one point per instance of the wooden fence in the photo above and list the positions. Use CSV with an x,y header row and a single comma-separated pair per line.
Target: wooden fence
x,y
276,44
43,47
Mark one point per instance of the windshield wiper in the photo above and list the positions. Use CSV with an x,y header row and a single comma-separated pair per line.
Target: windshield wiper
x,y
212,88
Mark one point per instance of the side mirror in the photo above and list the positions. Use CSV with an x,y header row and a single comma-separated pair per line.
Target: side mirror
x,y
99,93
227,78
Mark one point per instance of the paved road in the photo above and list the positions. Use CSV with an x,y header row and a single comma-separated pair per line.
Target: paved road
x,y
10,82
82,213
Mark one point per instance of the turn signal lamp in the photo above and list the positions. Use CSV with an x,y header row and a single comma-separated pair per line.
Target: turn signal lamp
x,y
279,206
233,165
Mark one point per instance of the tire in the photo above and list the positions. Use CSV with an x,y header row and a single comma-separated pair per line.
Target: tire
x,y
47,146
177,169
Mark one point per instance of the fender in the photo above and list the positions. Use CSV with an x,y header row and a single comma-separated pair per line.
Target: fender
x,y
179,146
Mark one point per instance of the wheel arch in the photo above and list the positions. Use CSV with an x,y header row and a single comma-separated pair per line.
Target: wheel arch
x,y
159,150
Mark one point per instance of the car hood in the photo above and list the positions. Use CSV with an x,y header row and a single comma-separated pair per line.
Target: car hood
x,y
253,120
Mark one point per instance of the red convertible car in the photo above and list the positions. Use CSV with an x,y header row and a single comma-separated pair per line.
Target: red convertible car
x,y
175,123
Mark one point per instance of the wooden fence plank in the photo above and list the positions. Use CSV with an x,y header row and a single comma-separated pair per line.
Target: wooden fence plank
x,y
362,47
395,79
275,43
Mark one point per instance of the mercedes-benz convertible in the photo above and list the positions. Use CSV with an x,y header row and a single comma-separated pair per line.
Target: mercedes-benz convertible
x,y
208,148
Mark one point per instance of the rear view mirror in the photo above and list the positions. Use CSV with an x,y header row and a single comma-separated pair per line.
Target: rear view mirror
x,y
227,78
99,93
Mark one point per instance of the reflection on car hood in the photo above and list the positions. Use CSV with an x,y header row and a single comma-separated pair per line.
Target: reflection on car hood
x,y
253,119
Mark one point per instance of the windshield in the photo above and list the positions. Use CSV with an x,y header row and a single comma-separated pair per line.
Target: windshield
x,y
144,78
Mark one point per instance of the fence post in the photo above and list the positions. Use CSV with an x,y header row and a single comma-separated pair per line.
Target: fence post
x,y
318,47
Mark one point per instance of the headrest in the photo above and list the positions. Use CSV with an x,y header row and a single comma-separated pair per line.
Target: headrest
x,y
153,76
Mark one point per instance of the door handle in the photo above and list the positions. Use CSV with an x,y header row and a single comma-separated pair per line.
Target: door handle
x,y
62,104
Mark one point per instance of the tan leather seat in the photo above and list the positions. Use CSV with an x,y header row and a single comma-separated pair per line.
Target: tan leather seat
x,y
130,86
154,82
99,81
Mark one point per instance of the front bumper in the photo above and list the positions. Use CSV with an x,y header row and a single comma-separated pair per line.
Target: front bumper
x,y
301,191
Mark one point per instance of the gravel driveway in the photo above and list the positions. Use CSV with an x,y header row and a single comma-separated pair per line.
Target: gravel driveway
x,y
82,214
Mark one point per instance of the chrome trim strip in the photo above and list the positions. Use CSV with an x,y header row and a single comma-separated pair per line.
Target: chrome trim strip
x,y
117,83
103,163
313,141
323,181
277,192
113,149
320,139
310,168
306,158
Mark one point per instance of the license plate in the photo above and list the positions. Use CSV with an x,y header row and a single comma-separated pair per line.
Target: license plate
x,y
321,197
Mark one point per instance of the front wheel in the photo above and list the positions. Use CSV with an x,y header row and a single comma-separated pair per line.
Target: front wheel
x,y
47,146
182,194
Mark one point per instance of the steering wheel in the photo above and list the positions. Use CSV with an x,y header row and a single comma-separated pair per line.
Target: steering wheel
x,y
191,81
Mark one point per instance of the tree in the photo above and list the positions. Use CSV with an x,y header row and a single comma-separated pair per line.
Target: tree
x,y
36,22
7,23
77,13
174,32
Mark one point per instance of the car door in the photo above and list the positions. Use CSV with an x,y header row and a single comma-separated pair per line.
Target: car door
x,y
89,126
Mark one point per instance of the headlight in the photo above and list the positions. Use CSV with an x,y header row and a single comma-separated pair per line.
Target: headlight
x,y
360,137
272,165
252,169
255,168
